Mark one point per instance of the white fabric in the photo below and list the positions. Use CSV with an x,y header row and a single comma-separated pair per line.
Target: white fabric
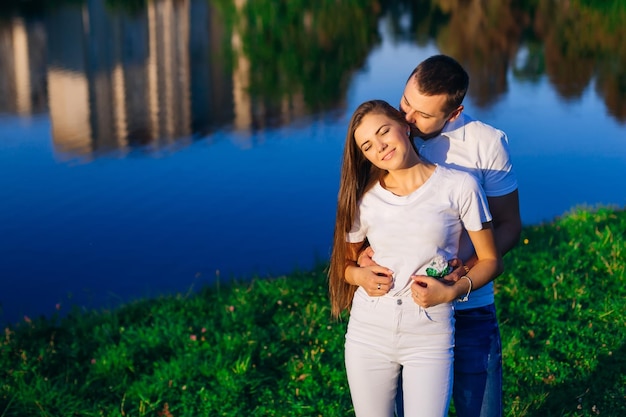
x,y
407,232
475,147
386,332
483,151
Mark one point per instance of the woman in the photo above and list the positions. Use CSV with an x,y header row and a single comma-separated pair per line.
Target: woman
x,y
411,212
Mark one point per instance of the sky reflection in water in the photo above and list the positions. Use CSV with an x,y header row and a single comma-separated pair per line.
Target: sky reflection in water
x,y
118,223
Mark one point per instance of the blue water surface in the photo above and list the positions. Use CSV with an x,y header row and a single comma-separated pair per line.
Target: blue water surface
x,y
114,225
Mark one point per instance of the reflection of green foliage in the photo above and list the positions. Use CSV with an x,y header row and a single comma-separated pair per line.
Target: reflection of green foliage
x,y
228,16
226,8
588,36
573,43
306,48
425,19
613,11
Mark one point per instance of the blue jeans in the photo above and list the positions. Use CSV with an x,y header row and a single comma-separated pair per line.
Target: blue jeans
x,y
477,389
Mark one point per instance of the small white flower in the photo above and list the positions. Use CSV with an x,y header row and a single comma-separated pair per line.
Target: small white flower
x,y
438,267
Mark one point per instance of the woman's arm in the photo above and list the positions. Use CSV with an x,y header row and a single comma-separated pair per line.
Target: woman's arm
x,y
507,227
428,291
489,261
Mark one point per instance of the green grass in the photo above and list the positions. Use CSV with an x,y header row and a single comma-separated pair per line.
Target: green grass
x,y
269,348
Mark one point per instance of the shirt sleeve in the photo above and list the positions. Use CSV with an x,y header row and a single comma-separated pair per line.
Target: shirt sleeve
x,y
358,232
473,206
499,177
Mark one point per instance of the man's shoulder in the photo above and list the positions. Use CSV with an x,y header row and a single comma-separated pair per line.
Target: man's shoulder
x,y
474,128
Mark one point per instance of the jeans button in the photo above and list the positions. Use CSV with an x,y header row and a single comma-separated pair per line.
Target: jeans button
x,y
399,301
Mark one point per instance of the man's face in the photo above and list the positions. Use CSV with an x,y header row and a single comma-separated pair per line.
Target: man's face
x,y
425,113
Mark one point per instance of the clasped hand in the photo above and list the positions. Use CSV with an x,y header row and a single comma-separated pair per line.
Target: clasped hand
x,y
426,291
375,280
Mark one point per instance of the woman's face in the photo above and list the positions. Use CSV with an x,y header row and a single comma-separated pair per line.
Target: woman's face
x,y
384,141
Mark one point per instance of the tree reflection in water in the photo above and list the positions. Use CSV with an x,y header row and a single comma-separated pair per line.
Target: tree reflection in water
x,y
185,68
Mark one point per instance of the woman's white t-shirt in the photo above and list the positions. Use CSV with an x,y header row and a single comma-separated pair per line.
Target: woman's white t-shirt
x,y
407,232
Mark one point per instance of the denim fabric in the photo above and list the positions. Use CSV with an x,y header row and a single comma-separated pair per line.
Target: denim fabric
x,y
477,389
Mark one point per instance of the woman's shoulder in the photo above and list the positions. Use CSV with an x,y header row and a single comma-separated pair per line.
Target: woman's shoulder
x,y
456,178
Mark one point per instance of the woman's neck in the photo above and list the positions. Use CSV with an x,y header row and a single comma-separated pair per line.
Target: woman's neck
x,y
405,181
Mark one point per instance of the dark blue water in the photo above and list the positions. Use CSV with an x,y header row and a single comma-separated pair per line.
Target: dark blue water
x,y
113,223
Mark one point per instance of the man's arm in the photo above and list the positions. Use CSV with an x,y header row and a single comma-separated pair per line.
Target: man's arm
x,y
507,225
376,280
507,222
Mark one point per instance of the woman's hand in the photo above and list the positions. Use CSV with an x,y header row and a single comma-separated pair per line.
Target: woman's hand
x,y
428,291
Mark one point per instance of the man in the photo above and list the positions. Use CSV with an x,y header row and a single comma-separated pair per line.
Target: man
x,y
432,103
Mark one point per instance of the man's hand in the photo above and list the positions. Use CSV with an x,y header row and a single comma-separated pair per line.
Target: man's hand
x,y
365,257
375,280
458,270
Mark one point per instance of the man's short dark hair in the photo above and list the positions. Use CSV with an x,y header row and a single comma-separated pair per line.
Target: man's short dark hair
x,y
441,74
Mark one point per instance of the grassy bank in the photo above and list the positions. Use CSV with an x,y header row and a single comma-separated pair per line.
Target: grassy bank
x,y
269,348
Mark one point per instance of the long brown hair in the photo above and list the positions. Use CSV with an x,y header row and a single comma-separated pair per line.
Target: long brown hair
x,y
357,176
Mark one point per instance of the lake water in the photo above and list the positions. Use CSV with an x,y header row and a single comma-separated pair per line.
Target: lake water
x,y
153,151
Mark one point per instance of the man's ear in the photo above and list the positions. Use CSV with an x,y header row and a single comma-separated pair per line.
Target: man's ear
x,y
455,113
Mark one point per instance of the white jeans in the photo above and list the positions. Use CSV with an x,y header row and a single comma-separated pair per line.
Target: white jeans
x,y
386,334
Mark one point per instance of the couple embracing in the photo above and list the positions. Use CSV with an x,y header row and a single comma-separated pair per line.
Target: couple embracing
x,y
427,206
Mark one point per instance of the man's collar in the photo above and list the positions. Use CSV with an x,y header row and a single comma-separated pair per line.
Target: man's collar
x,y
456,128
